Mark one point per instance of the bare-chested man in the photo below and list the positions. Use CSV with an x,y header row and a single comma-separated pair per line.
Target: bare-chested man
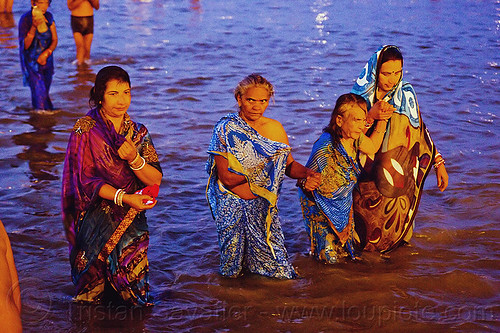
x,y
82,24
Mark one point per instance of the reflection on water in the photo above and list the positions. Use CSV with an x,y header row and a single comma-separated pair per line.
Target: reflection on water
x,y
42,163
184,59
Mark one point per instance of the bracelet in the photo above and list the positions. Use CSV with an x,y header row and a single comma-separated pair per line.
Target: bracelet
x,y
139,168
437,164
136,158
302,183
385,121
118,197
368,125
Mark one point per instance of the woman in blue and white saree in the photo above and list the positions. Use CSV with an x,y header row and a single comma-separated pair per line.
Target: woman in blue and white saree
x,y
392,180
249,155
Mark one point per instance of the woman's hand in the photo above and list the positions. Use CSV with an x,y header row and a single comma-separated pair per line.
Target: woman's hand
x,y
442,177
313,180
42,58
381,111
139,201
38,19
127,151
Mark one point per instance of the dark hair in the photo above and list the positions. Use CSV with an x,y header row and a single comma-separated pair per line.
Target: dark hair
x,y
253,80
33,2
344,103
102,78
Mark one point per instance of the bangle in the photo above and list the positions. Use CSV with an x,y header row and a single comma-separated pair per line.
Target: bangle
x,y
136,158
438,163
118,197
139,168
368,125
302,183
119,200
385,127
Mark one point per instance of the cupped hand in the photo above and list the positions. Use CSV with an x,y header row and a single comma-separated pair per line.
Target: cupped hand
x,y
139,201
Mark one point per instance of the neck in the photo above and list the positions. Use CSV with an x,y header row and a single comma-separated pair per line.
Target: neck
x,y
380,94
116,121
348,145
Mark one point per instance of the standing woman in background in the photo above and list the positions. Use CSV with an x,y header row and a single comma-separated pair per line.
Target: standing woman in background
x,y
392,180
37,42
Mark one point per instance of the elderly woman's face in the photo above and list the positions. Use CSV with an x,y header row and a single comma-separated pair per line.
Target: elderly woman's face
x,y
390,74
352,122
116,99
253,103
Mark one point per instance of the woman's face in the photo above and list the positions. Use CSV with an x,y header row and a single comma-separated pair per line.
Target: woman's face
x,y
116,99
352,122
253,103
389,75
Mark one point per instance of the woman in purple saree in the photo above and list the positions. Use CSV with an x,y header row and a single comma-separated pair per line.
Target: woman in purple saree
x,y
109,158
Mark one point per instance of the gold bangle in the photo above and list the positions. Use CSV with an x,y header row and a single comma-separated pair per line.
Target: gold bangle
x,y
139,168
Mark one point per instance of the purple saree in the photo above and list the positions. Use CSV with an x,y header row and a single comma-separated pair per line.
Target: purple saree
x,y
91,161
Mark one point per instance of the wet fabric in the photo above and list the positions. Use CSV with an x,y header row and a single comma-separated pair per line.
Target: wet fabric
x,y
92,160
249,231
82,24
392,181
37,77
327,211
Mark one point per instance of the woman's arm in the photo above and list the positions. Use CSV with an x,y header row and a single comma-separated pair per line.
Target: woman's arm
x,y
148,174
29,37
137,201
228,178
370,145
441,173
42,58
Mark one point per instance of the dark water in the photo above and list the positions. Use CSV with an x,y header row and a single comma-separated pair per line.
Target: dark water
x,y
185,57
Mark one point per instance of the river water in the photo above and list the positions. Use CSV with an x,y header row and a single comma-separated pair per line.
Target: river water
x,y
184,59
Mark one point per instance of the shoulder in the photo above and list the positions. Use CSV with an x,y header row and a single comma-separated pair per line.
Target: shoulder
x,y
225,121
269,124
49,17
324,139
26,16
273,129
84,125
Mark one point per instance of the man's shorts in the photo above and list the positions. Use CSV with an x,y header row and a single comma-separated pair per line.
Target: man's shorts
x,y
82,24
